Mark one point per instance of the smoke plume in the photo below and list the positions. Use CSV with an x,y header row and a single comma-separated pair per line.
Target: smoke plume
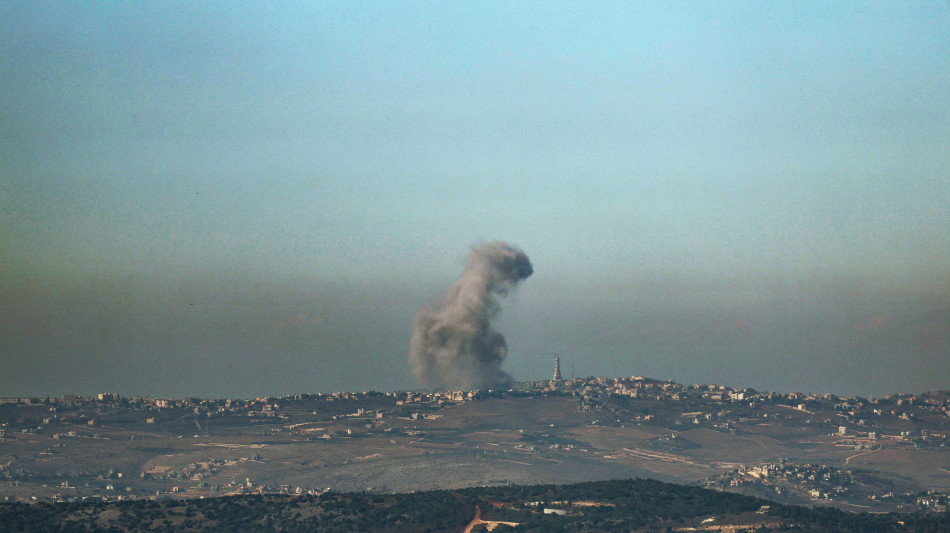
x,y
454,346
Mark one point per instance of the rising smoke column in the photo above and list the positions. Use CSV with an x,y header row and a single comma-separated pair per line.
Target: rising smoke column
x,y
454,345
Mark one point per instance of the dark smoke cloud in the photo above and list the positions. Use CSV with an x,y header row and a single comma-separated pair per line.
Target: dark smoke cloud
x,y
454,346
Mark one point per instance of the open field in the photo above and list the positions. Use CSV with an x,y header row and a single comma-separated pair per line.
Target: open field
x,y
382,443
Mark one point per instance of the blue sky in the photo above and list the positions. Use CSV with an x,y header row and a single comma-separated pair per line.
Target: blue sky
x,y
266,194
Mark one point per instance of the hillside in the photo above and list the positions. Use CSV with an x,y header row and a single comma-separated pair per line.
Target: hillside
x,y
619,505
880,454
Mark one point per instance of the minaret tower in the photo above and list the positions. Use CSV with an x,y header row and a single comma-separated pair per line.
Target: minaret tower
x,y
557,369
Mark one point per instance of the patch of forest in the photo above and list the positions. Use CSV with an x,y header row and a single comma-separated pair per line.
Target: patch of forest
x,y
616,505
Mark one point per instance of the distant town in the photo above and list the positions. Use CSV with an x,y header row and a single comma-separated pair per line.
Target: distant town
x,y
887,453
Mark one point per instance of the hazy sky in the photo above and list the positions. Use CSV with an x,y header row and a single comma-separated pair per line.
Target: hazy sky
x,y
226,199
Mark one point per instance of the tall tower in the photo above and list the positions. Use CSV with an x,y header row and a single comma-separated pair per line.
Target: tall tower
x,y
557,369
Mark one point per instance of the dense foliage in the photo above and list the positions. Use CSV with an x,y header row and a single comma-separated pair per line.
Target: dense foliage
x,y
617,505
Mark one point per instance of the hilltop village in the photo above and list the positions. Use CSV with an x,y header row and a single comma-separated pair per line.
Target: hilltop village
x,y
802,448
858,421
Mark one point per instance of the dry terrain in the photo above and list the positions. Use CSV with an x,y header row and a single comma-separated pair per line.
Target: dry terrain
x,y
384,444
